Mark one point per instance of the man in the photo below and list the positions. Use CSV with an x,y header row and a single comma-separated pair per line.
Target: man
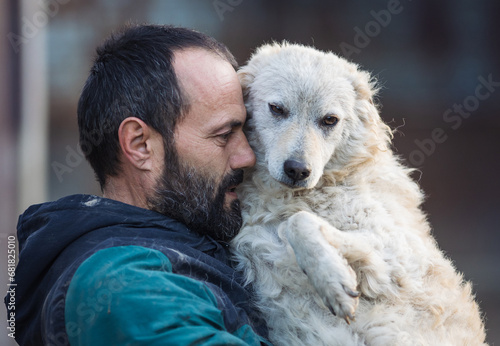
x,y
160,121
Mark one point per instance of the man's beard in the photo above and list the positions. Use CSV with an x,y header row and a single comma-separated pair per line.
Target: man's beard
x,y
194,199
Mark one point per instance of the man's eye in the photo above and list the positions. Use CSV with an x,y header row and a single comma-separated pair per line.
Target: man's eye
x,y
276,110
225,136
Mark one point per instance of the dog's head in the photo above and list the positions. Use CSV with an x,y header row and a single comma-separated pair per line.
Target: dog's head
x,y
309,111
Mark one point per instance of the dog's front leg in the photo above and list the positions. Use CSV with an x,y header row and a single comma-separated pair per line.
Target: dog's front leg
x,y
329,273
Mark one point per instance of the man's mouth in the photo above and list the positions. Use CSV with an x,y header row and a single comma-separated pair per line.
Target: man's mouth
x,y
233,181
232,191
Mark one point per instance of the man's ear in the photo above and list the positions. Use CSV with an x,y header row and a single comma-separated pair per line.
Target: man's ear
x,y
136,141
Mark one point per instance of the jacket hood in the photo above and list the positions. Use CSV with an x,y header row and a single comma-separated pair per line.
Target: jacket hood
x,y
44,230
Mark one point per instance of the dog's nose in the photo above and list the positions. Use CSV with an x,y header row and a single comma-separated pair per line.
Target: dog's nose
x,y
296,170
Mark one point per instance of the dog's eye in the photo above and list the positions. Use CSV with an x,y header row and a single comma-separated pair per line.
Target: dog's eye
x,y
276,110
329,120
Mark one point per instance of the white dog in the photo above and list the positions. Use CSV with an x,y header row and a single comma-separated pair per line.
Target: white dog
x,y
334,240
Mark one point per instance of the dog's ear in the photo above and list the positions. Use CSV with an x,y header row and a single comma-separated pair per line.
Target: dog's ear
x,y
257,61
246,78
364,85
366,90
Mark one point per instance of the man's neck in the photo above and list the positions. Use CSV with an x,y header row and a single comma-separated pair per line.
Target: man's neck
x,y
132,193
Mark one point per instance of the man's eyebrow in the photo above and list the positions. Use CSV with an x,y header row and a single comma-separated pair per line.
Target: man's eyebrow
x,y
231,124
235,123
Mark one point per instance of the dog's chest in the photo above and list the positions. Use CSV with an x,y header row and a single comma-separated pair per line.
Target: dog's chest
x,y
347,209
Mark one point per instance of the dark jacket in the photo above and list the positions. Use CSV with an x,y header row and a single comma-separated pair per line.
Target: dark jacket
x,y
167,272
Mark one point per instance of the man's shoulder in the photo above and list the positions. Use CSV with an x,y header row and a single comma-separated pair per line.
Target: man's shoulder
x,y
125,265
134,287
126,269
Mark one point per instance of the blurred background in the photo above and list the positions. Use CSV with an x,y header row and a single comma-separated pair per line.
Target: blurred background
x,y
436,61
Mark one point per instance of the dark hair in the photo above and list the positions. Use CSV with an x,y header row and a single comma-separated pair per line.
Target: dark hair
x,y
133,75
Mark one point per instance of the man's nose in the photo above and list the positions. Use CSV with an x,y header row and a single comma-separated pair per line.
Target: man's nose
x,y
243,156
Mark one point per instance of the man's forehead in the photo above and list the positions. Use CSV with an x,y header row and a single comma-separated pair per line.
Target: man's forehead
x,y
208,82
200,70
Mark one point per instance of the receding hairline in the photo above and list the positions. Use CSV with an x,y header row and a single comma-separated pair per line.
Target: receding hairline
x,y
194,49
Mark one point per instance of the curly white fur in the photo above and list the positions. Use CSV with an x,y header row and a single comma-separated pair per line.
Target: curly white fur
x,y
343,256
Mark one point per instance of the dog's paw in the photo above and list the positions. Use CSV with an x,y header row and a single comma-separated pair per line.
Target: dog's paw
x,y
335,282
328,272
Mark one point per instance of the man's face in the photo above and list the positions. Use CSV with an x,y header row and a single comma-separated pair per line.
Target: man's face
x,y
210,145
